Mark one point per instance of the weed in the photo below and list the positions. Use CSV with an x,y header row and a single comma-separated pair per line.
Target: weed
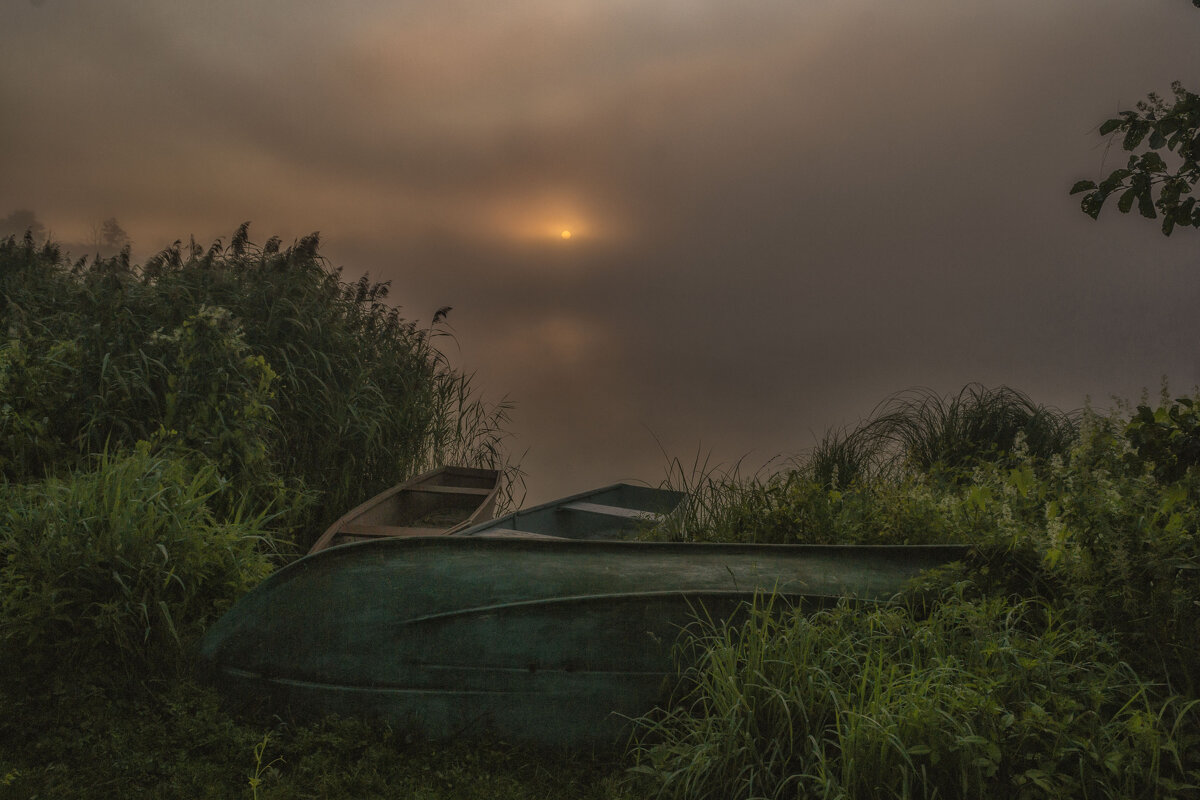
x,y
269,769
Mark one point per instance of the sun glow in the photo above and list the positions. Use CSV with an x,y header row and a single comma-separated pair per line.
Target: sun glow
x,y
543,217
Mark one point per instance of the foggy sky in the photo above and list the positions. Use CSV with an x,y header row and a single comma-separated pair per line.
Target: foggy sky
x,y
782,212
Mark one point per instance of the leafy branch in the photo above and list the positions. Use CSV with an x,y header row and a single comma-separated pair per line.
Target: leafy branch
x,y
1153,128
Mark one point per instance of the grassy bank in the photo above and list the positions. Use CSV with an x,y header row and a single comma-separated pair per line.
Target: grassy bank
x,y
172,739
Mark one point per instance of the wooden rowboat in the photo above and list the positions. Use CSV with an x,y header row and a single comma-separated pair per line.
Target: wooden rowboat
x,y
619,511
543,641
436,503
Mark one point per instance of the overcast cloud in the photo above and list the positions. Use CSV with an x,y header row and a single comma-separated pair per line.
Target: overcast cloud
x,y
781,212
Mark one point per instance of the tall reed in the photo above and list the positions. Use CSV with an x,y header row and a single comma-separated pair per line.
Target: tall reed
x,y
298,385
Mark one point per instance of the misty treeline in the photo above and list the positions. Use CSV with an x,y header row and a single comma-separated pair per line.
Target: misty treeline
x,y
105,238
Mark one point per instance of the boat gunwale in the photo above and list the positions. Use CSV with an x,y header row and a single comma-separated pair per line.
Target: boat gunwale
x,y
699,595
360,550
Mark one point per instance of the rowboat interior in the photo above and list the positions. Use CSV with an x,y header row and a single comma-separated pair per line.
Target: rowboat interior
x,y
432,504
619,511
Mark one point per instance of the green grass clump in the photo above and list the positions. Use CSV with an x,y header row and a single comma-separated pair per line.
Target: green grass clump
x,y
894,479
930,434
112,572
982,698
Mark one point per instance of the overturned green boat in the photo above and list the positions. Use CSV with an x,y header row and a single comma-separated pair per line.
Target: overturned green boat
x,y
550,642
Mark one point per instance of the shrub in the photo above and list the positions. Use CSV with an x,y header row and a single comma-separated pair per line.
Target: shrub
x,y
1167,437
1124,535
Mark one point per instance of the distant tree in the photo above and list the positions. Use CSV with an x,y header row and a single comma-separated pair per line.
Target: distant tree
x,y
109,237
19,222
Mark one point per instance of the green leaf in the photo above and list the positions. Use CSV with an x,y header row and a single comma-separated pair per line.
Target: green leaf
x,y
1126,201
1185,209
1146,204
1152,162
1157,140
1133,137
1109,126
1082,186
1113,181
166,615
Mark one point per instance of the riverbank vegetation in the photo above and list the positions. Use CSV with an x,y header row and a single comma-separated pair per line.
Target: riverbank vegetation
x,y
172,432
1061,660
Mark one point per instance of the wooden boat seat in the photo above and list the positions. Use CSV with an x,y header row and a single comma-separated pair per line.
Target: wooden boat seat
x,y
471,490
611,511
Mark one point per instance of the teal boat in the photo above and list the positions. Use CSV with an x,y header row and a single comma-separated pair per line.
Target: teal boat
x,y
620,511
542,641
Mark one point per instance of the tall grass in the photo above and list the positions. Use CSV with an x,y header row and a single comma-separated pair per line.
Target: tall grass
x,y
891,480
113,572
922,431
980,699
790,507
364,398
708,505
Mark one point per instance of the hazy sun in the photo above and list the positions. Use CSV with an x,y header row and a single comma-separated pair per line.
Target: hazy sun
x,y
566,234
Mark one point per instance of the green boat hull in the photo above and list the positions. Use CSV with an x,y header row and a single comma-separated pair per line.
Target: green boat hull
x,y
546,642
